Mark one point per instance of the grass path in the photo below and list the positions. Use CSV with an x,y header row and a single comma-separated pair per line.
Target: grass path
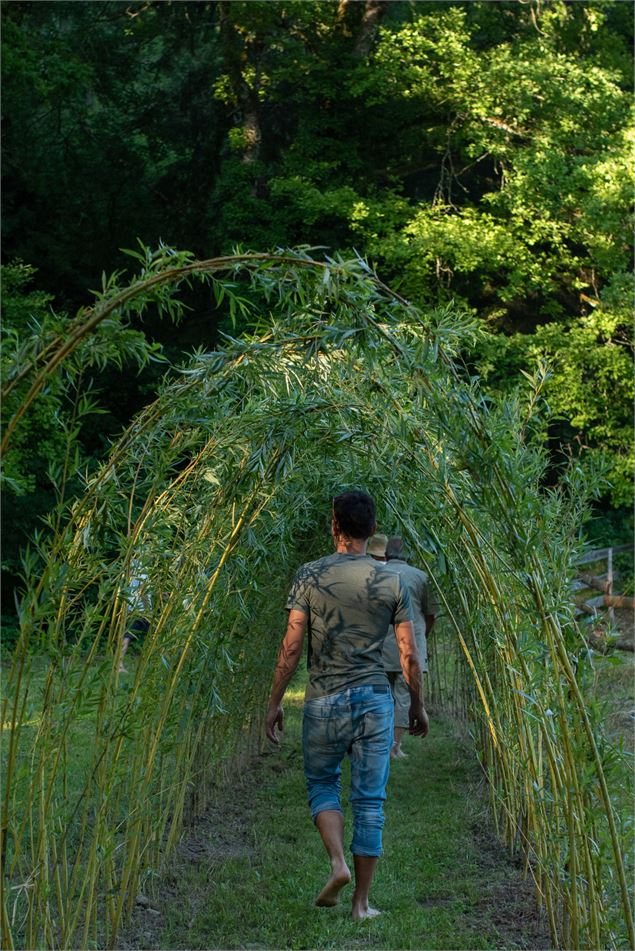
x,y
247,875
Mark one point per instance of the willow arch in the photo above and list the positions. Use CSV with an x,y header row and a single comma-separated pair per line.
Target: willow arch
x,y
220,487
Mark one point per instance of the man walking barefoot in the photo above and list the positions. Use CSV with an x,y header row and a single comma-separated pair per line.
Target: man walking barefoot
x,y
424,611
346,602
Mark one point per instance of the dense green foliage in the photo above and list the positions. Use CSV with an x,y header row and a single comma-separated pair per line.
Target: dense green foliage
x,y
476,152
59,434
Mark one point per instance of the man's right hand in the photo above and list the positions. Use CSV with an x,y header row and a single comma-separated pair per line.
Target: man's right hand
x,y
274,718
418,722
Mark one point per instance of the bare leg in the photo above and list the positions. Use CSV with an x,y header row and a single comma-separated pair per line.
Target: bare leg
x,y
364,871
124,647
330,825
396,751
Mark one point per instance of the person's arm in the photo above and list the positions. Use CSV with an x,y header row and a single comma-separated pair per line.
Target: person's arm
x,y
429,607
288,659
409,657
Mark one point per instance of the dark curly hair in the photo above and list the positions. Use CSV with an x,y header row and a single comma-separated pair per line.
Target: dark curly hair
x,y
354,513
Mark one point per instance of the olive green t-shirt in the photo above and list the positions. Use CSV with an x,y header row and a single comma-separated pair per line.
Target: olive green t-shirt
x,y
350,601
423,602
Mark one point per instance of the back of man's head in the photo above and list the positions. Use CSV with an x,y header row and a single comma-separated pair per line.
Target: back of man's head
x,y
394,547
354,513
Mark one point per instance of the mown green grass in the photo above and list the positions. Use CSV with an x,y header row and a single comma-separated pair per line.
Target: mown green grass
x,y
614,686
74,777
437,887
443,881
80,735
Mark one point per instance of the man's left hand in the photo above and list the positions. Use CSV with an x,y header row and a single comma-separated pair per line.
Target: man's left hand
x,y
418,720
274,718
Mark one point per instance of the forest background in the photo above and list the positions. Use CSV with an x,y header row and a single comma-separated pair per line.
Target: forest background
x,y
475,152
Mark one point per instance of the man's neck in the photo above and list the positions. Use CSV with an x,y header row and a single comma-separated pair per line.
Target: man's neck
x,y
352,546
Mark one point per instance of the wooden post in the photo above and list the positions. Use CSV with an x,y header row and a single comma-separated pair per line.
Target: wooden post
x,y
609,585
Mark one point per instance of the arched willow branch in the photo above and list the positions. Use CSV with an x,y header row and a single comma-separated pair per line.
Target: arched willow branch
x,y
219,488
146,289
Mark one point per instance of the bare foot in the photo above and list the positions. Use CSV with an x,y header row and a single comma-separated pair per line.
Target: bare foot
x,y
398,754
360,912
330,894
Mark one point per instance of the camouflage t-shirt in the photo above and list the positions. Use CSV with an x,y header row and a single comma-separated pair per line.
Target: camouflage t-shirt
x,y
423,602
350,600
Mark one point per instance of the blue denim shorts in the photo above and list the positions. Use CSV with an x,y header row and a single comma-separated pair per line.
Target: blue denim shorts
x,y
358,722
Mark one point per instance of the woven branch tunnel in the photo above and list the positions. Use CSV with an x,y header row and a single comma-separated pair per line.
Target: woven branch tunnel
x,y
220,488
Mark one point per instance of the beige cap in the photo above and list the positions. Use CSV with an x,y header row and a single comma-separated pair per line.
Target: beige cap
x,y
377,546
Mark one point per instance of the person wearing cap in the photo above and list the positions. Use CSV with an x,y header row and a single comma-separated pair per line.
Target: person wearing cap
x,y
346,601
424,610
377,547
139,603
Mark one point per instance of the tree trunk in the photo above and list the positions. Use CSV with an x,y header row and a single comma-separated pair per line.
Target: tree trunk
x,y
251,128
374,10
365,33
237,54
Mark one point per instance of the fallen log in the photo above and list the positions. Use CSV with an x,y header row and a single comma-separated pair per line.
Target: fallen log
x,y
619,601
607,601
624,645
594,581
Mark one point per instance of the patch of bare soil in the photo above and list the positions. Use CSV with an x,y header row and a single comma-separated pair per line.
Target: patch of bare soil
x,y
625,622
509,898
618,633
223,832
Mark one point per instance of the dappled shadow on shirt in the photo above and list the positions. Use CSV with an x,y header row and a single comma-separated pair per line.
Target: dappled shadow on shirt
x,y
350,602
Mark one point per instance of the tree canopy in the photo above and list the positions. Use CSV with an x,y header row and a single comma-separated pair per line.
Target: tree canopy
x,y
475,153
